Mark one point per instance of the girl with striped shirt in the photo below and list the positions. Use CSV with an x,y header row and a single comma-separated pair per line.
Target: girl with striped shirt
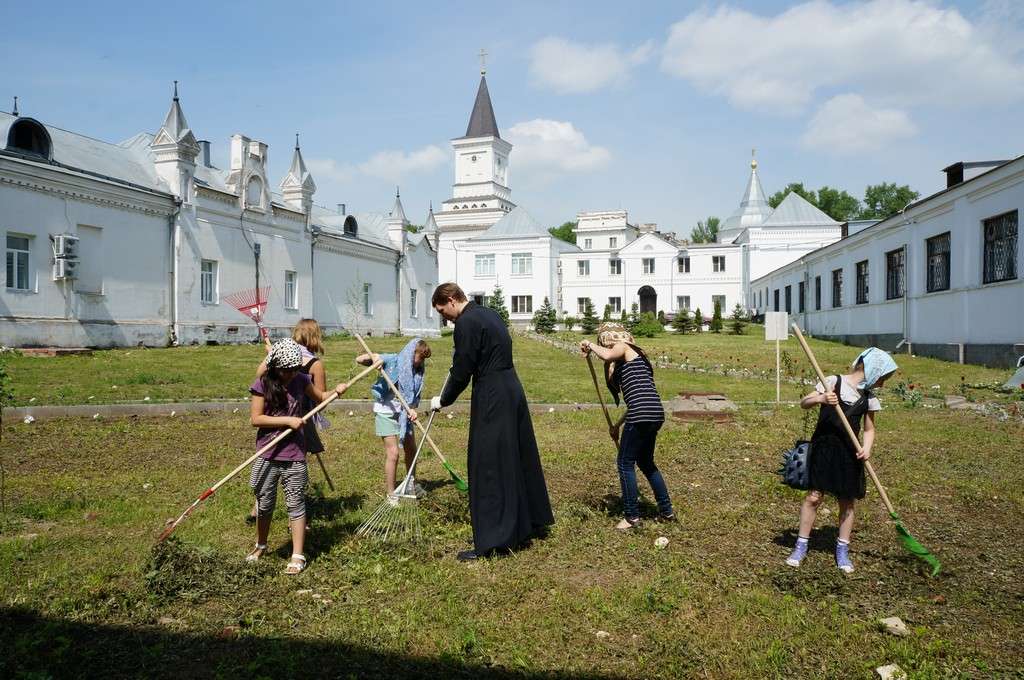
x,y
629,372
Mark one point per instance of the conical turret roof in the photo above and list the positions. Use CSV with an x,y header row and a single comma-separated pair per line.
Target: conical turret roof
x,y
481,121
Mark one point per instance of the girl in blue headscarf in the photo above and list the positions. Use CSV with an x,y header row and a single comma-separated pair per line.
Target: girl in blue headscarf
x,y
836,467
391,422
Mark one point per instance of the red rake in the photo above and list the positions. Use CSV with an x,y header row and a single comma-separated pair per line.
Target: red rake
x,y
252,303
171,526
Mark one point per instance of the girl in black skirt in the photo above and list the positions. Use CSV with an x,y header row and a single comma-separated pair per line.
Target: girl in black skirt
x,y
836,466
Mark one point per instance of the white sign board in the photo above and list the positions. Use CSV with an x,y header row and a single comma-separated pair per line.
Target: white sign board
x,y
776,325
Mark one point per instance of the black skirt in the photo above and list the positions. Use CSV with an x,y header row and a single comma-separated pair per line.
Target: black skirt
x,y
834,468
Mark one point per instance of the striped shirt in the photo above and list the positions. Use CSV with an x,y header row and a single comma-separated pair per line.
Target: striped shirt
x,y
643,404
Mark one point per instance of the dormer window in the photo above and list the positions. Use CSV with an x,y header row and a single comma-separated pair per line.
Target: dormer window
x,y
254,193
351,226
28,136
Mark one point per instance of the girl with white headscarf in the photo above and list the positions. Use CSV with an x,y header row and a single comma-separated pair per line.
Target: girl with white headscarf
x,y
836,466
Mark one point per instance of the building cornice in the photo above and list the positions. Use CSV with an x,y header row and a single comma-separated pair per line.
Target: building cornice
x,y
85,188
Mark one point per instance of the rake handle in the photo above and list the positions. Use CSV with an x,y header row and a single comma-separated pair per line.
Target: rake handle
x,y
600,397
401,399
846,423
273,442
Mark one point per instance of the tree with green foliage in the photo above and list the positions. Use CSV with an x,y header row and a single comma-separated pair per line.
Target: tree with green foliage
x,y
837,204
682,323
607,316
634,317
886,199
564,232
544,318
661,317
589,322
414,228
698,321
569,322
624,318
775,199
738,320
648,326
497,302
706,231
716,319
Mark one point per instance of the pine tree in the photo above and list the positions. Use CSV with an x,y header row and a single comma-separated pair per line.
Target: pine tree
x,y
716,318
588,324
624,318
682,323
661,318
739,320
497,303
698,321
569,322
607,313
544,318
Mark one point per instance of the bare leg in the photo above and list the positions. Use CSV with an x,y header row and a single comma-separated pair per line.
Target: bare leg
x,y
808,512
298,527
845,518
390,462
409,444
262,528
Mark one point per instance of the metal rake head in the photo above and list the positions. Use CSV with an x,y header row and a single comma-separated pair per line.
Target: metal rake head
x,y
396,518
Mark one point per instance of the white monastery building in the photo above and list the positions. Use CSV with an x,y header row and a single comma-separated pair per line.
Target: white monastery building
x,y
942,278
485,241
141,242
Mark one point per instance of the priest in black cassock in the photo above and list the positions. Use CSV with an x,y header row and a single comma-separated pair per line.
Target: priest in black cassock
x,y
508,499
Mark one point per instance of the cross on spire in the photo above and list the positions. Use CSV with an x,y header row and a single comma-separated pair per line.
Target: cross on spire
x,y
753,160
15,111
483,61
175,90
296,140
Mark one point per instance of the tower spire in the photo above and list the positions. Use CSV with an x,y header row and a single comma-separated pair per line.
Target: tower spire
x,y
15,111
296,141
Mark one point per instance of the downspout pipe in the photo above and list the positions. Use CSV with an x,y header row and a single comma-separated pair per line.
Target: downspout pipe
x,y
398,287
174,237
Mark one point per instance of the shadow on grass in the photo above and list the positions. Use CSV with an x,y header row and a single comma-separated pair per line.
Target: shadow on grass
x,y
610,504
823,539
39,646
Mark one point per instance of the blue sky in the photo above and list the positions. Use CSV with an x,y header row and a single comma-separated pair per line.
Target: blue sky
x,y
652,107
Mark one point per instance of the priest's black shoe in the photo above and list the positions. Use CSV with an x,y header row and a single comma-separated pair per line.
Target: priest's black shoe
x,y
467,556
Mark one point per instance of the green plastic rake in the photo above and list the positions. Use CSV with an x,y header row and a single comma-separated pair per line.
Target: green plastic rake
x,y
912,545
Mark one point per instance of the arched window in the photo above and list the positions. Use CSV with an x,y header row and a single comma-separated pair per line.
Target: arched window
x,y
351,226
254,193
28,136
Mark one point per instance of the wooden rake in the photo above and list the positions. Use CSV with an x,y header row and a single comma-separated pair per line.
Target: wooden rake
x,y
600,398
460,483
248,461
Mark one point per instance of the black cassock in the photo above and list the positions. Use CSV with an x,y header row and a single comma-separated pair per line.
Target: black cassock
x,y
508,499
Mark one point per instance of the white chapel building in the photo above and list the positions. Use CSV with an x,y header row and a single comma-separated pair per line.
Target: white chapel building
x,y
485,241
142,241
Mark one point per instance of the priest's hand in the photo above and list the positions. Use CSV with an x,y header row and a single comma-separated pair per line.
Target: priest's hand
x,y
435,403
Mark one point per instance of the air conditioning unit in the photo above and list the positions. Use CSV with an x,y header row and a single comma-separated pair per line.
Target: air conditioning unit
x,y
65,246
64,269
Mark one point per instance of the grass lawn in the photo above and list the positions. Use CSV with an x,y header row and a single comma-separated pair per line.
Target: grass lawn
x,y
85,595
548,375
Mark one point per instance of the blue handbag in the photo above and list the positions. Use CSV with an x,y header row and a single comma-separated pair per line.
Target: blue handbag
x,y
796,471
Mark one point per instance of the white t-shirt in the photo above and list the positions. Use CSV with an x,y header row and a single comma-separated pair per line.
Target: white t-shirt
x,y
389,408
848,393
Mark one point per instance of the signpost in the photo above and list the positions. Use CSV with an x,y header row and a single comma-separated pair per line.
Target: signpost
x,y
776,327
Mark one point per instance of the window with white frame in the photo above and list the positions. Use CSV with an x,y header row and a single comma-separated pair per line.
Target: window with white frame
x,y
367,299
413,311
684,264
614,267
581,305
613,242
616,304
938,262
588,243
18,261
522,264
291,293
682,302
583,267
484,265
208,282
894,274
718,263
522,304
648,265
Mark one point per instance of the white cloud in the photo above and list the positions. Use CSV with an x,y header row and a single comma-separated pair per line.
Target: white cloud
x,y
845,124
393,165
571,67
554,147
328,169
897,52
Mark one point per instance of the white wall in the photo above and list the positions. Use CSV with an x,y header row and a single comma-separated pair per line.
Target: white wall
x,y
970,312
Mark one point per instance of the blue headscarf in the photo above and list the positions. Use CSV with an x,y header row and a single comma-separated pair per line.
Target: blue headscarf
x,y
877,363
405,376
